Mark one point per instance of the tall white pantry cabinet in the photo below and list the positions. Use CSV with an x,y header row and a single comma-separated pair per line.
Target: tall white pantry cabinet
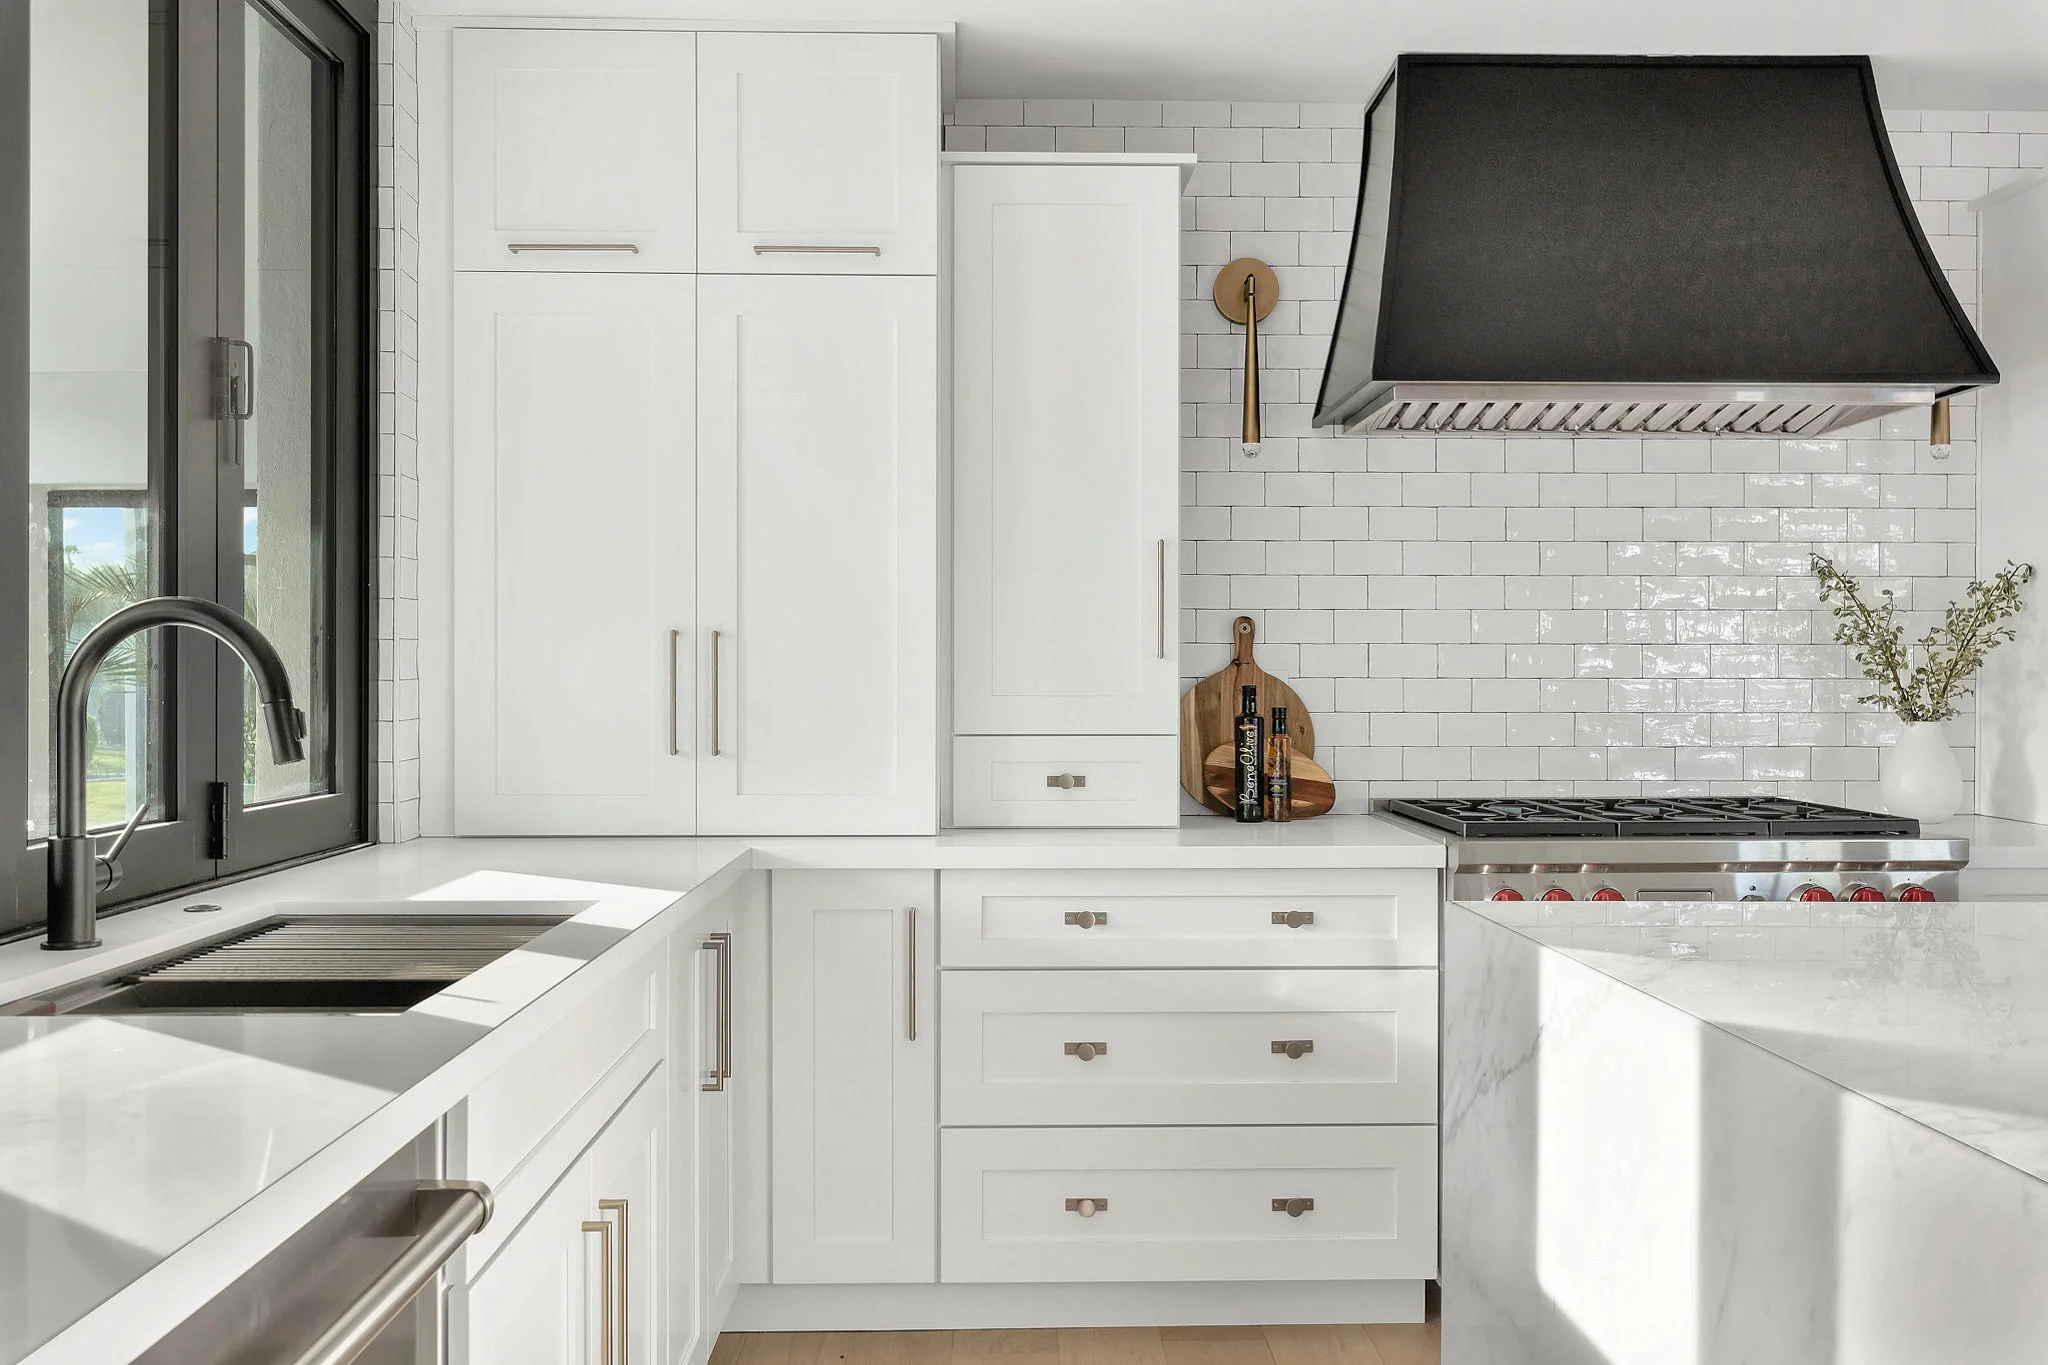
x,y
693,432
1066,547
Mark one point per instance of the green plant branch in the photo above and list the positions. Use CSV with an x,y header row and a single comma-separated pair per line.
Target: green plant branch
x,y
1951,652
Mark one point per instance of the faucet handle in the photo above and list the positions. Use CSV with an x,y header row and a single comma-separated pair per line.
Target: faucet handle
x,y
110,862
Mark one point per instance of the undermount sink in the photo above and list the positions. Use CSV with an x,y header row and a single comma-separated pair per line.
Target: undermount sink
x,y
323,964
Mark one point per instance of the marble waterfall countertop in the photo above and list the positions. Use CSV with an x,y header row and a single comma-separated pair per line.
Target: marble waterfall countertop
x,y
147,1160
1937,1011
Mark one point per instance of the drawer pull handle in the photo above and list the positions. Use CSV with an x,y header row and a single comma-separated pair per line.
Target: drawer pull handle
x,y
1295,1048
1087,919
817,251
1087,1052
1294,919
1066,782
516,247
1087,1208
1294,1208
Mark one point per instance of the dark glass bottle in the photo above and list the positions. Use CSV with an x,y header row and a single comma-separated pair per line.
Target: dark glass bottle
x,y
1279,770
1251,745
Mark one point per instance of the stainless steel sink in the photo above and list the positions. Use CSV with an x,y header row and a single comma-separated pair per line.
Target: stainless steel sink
x,y
332,964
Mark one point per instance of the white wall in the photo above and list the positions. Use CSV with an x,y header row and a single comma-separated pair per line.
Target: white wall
x,y
1529,615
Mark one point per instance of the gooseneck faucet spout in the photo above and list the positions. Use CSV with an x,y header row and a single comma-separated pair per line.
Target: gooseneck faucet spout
x,y
78,872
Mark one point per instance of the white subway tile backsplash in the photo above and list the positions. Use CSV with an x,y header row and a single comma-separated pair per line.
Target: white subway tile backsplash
x,y
1535,614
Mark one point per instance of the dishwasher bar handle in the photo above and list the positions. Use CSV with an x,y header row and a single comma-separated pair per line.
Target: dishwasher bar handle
x,y
449,1212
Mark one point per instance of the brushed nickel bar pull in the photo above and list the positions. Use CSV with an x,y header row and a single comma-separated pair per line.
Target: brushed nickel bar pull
x,y
1294,919
714,694
1087,919
1087,1208
516,247
720,1070
453,1211
618,1206
1295,1048
603,1227
817,251
1087,1052
1162,599
675,742
910,938
1294,1208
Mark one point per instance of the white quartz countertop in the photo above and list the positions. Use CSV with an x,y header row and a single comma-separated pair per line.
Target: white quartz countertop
x,y
145,1161
1996,843
1938,1011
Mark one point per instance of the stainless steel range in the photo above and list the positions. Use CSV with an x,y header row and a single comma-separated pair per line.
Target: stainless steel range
x,y
1736,848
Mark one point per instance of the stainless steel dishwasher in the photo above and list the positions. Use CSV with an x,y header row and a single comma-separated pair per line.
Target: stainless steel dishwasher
x,y
360,1283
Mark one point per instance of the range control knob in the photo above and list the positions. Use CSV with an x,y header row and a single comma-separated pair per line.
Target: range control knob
x,y
1608,893
1860,892
1557,893
1915,893
1506,893
1807,891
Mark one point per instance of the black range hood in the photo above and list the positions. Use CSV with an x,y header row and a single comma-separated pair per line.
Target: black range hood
x,y
1637,245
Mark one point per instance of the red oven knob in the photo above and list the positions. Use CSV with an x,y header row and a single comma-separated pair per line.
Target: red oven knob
x,y
1608,893
1807,891
1860,892
1506,893
1915,893
1557,893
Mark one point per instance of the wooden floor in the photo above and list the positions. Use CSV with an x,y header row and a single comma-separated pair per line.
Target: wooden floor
x,y
1347,1345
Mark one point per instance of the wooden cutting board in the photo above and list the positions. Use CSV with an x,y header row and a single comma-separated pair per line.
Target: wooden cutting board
x,y
1313,793
1210,707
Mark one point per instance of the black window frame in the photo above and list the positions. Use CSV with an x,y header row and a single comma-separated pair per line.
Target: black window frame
x,y
196,137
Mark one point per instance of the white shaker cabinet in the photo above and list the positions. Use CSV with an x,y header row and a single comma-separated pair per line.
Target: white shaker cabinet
x,y
573,488
855,1101
1066,514
572,150
817,593
817,153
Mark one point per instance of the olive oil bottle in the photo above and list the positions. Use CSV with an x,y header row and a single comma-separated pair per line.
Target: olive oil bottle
x,y
1250,745
1279,770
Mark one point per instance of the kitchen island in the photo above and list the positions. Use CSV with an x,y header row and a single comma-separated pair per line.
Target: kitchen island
x,y
1707,1132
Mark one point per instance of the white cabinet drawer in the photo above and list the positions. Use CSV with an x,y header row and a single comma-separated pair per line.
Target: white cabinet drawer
x,y
1032,1048
1066,780
1379,918
1187,1204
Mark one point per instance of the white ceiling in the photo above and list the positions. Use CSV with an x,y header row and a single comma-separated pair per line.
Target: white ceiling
x,y
1938,54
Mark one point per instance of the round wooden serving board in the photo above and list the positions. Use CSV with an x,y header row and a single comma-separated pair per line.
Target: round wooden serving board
x,y
1313,792
1209,710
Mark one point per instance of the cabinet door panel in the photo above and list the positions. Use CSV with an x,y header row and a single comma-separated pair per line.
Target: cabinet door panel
x,y
855,1112
573,489
811,141
538,1301
628,1177
817,555
573,147
1065,428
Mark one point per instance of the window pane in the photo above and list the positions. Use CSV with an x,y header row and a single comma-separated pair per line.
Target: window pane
x,y
99,281
287,444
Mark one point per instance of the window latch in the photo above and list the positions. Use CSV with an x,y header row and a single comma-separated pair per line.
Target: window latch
x,y
234,380
217,821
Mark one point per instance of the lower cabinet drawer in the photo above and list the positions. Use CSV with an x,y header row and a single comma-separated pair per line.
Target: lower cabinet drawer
x,y
1123,1204
1066,780
1118,1047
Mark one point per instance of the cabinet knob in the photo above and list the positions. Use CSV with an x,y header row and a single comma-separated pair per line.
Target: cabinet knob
x,y
1294,919
1087,1052
1066,782
1087,919
1087,1208
1295,1048
1294,1208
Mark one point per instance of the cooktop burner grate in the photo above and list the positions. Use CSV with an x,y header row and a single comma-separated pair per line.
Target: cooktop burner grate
x,y
1649,817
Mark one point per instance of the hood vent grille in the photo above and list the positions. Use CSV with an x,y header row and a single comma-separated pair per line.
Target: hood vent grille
x,y
1466,409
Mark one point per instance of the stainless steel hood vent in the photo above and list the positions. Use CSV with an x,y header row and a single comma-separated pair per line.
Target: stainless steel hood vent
x,y
1637,245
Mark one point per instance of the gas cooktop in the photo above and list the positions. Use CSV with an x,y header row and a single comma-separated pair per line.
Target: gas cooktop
x,y
1660,817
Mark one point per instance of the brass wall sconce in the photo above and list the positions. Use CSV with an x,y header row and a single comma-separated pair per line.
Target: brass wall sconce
x,y
1246,291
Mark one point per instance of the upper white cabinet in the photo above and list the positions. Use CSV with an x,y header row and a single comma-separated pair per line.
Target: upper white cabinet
x,y
572,150
817,554
1065,456
817,153
573,487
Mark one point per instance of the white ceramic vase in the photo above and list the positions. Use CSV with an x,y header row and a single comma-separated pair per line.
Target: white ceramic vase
x,y
1918,775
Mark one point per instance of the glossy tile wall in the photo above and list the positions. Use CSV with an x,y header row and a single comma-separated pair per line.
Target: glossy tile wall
x,y
398,527
1531,615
